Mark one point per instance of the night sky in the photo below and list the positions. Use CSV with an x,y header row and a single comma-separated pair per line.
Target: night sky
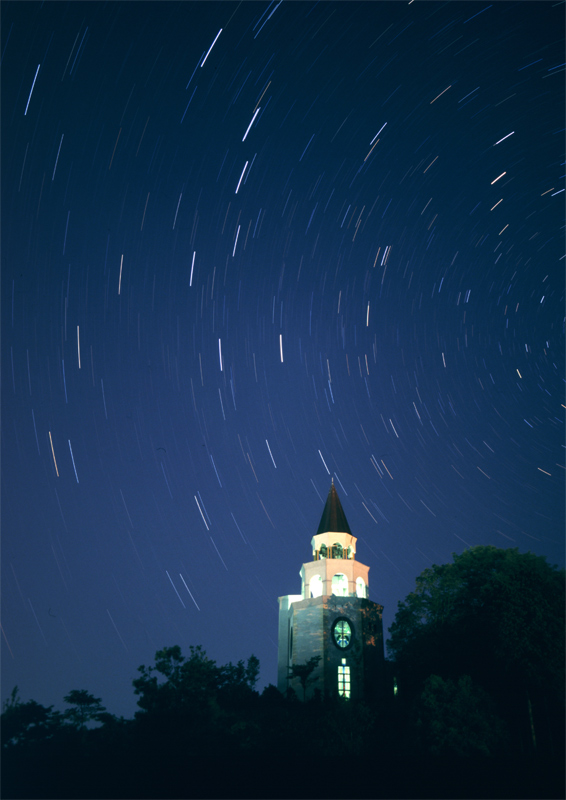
x,y
247,248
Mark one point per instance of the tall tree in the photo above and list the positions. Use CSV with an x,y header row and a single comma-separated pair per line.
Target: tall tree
x,y
496,615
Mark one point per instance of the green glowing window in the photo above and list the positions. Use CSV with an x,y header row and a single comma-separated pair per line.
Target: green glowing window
x,y
344,680
342,633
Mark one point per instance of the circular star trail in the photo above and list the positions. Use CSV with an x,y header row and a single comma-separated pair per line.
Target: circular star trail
x,y
248,248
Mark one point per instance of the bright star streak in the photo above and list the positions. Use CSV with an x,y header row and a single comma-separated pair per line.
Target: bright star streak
x,y
505,137
189,591
324,462
211,46
31,90
53,451
73,460
241,176
271,454
202,515
251,123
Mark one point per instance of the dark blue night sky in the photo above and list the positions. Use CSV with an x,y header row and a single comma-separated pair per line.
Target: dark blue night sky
x,y
246,248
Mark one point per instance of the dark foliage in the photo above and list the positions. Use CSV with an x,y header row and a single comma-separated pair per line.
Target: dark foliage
x,y
497,617
202,730
304,673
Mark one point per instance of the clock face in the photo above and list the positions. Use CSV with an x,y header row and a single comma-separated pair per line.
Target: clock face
x,y
342,633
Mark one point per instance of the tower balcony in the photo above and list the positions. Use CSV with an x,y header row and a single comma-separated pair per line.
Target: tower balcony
x,y
344,577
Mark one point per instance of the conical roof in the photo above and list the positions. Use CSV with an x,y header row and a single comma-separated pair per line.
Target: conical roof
x,y
333,517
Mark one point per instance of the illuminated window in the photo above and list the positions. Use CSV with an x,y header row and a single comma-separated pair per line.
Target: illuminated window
x,y
360,587
395,689
315,586
337,551
342,633
340,584
322,552
344,680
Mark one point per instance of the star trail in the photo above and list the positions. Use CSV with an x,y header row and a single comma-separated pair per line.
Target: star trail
x,y
247,248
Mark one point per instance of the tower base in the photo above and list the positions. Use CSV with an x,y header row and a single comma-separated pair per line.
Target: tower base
x,y
347,634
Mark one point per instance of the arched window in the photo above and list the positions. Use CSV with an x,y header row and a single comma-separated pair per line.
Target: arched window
x,y
350,552
337,551
323,551
340,584
360,588
315,586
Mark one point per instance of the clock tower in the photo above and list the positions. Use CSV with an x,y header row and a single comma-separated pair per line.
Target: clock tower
x,y
332,617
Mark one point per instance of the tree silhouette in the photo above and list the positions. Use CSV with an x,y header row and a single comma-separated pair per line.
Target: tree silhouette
x,y
495,615
194,682
84,708
304,673
202,730
27,722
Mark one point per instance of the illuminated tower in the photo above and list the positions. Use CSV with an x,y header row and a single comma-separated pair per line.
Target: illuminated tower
x,y
332,617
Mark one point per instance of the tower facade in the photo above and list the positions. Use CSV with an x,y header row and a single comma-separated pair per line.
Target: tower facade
x,y
332,617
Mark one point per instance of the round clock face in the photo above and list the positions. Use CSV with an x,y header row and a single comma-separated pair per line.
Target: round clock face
x,y
342,633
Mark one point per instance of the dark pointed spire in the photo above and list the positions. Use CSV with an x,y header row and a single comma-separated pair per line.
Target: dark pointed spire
x,y
333,517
